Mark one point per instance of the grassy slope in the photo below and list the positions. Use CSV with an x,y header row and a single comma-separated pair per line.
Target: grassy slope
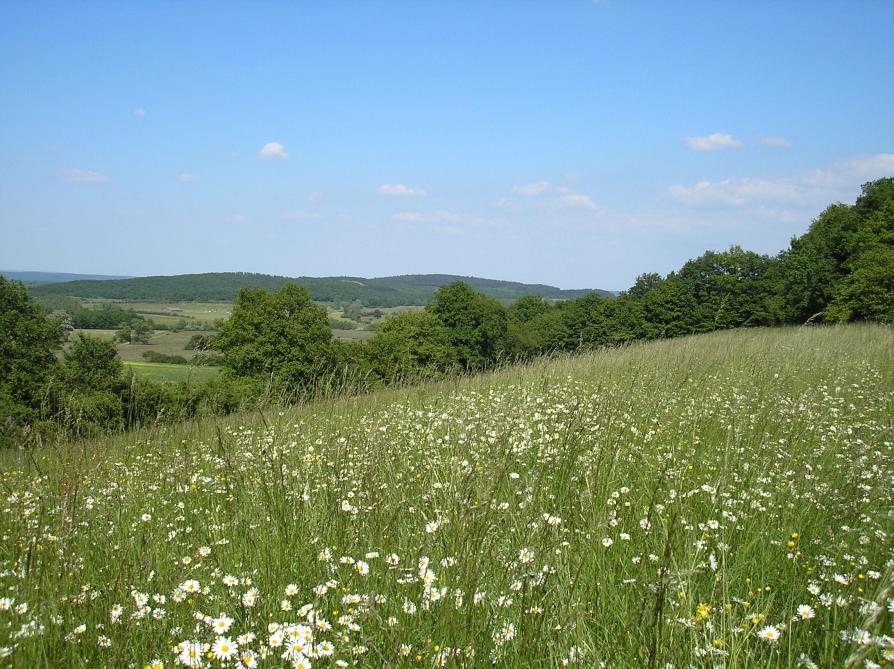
x,y
681,470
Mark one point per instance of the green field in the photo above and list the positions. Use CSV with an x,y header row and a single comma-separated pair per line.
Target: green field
x,y
173,343
157,371
162,341
720,500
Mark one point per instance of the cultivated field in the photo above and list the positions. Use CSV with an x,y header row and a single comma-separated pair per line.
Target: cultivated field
x,y
161,371
714,501
162,341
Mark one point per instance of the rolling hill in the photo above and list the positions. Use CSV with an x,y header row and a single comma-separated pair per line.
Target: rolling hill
x,y
392,291
33,278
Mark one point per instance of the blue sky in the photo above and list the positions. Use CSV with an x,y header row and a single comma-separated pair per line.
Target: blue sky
x,y
575,143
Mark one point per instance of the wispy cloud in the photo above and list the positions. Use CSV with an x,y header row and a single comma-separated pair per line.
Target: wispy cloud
x,y
775,142
442,216
400,190
299,215
450,230
576,200
852,171
409,216
78,176
273,150
238,219
185,178
139,111
816,187
713,142
532,189
737,192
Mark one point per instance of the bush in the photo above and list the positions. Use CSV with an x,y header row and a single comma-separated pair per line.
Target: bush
x,y
155,356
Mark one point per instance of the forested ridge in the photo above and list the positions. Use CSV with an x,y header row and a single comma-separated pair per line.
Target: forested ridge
x,y
407,290
277,346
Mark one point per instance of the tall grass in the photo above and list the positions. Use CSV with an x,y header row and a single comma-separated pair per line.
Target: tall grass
x,y
719,500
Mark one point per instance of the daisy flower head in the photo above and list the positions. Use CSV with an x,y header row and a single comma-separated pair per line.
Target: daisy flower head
x,y
221,624
224,648
805,612
192,653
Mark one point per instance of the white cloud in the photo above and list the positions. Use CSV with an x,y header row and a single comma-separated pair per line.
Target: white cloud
x,y
713,142
272,150
139,111
856,170
78,176
400,190
185,178
451,230
238,219
737,192
442,216
299,215
817,188
576,200
775,142
409,216
532,189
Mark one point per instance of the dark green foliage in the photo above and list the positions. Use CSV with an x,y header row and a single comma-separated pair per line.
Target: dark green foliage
x,y
731,289
531,324
339,324
91,364
816,263
476,324
27,341
135,331
155,356
280,338
411,346
867,292
90,413
199,342
391,291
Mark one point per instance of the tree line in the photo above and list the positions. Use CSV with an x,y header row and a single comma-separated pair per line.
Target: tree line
x,y
278,345
392,291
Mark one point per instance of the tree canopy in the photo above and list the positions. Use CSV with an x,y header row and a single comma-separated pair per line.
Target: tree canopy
x,y
280,337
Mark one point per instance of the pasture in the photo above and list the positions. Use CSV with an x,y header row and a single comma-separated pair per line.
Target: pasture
x,y
160,371
722,500
162,341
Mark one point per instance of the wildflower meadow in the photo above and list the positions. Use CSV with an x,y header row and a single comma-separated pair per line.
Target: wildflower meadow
x,y
722,500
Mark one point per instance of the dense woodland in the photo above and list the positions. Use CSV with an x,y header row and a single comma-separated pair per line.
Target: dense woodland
x,y
277,346
393,291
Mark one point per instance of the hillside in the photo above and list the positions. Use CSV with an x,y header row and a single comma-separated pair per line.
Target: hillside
x,y
54,277
714,496
380,292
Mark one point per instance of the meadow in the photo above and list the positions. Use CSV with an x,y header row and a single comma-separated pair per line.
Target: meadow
x,y
161,371
721,500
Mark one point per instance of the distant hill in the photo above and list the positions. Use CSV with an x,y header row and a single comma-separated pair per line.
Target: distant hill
x,y
392,291
34,278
